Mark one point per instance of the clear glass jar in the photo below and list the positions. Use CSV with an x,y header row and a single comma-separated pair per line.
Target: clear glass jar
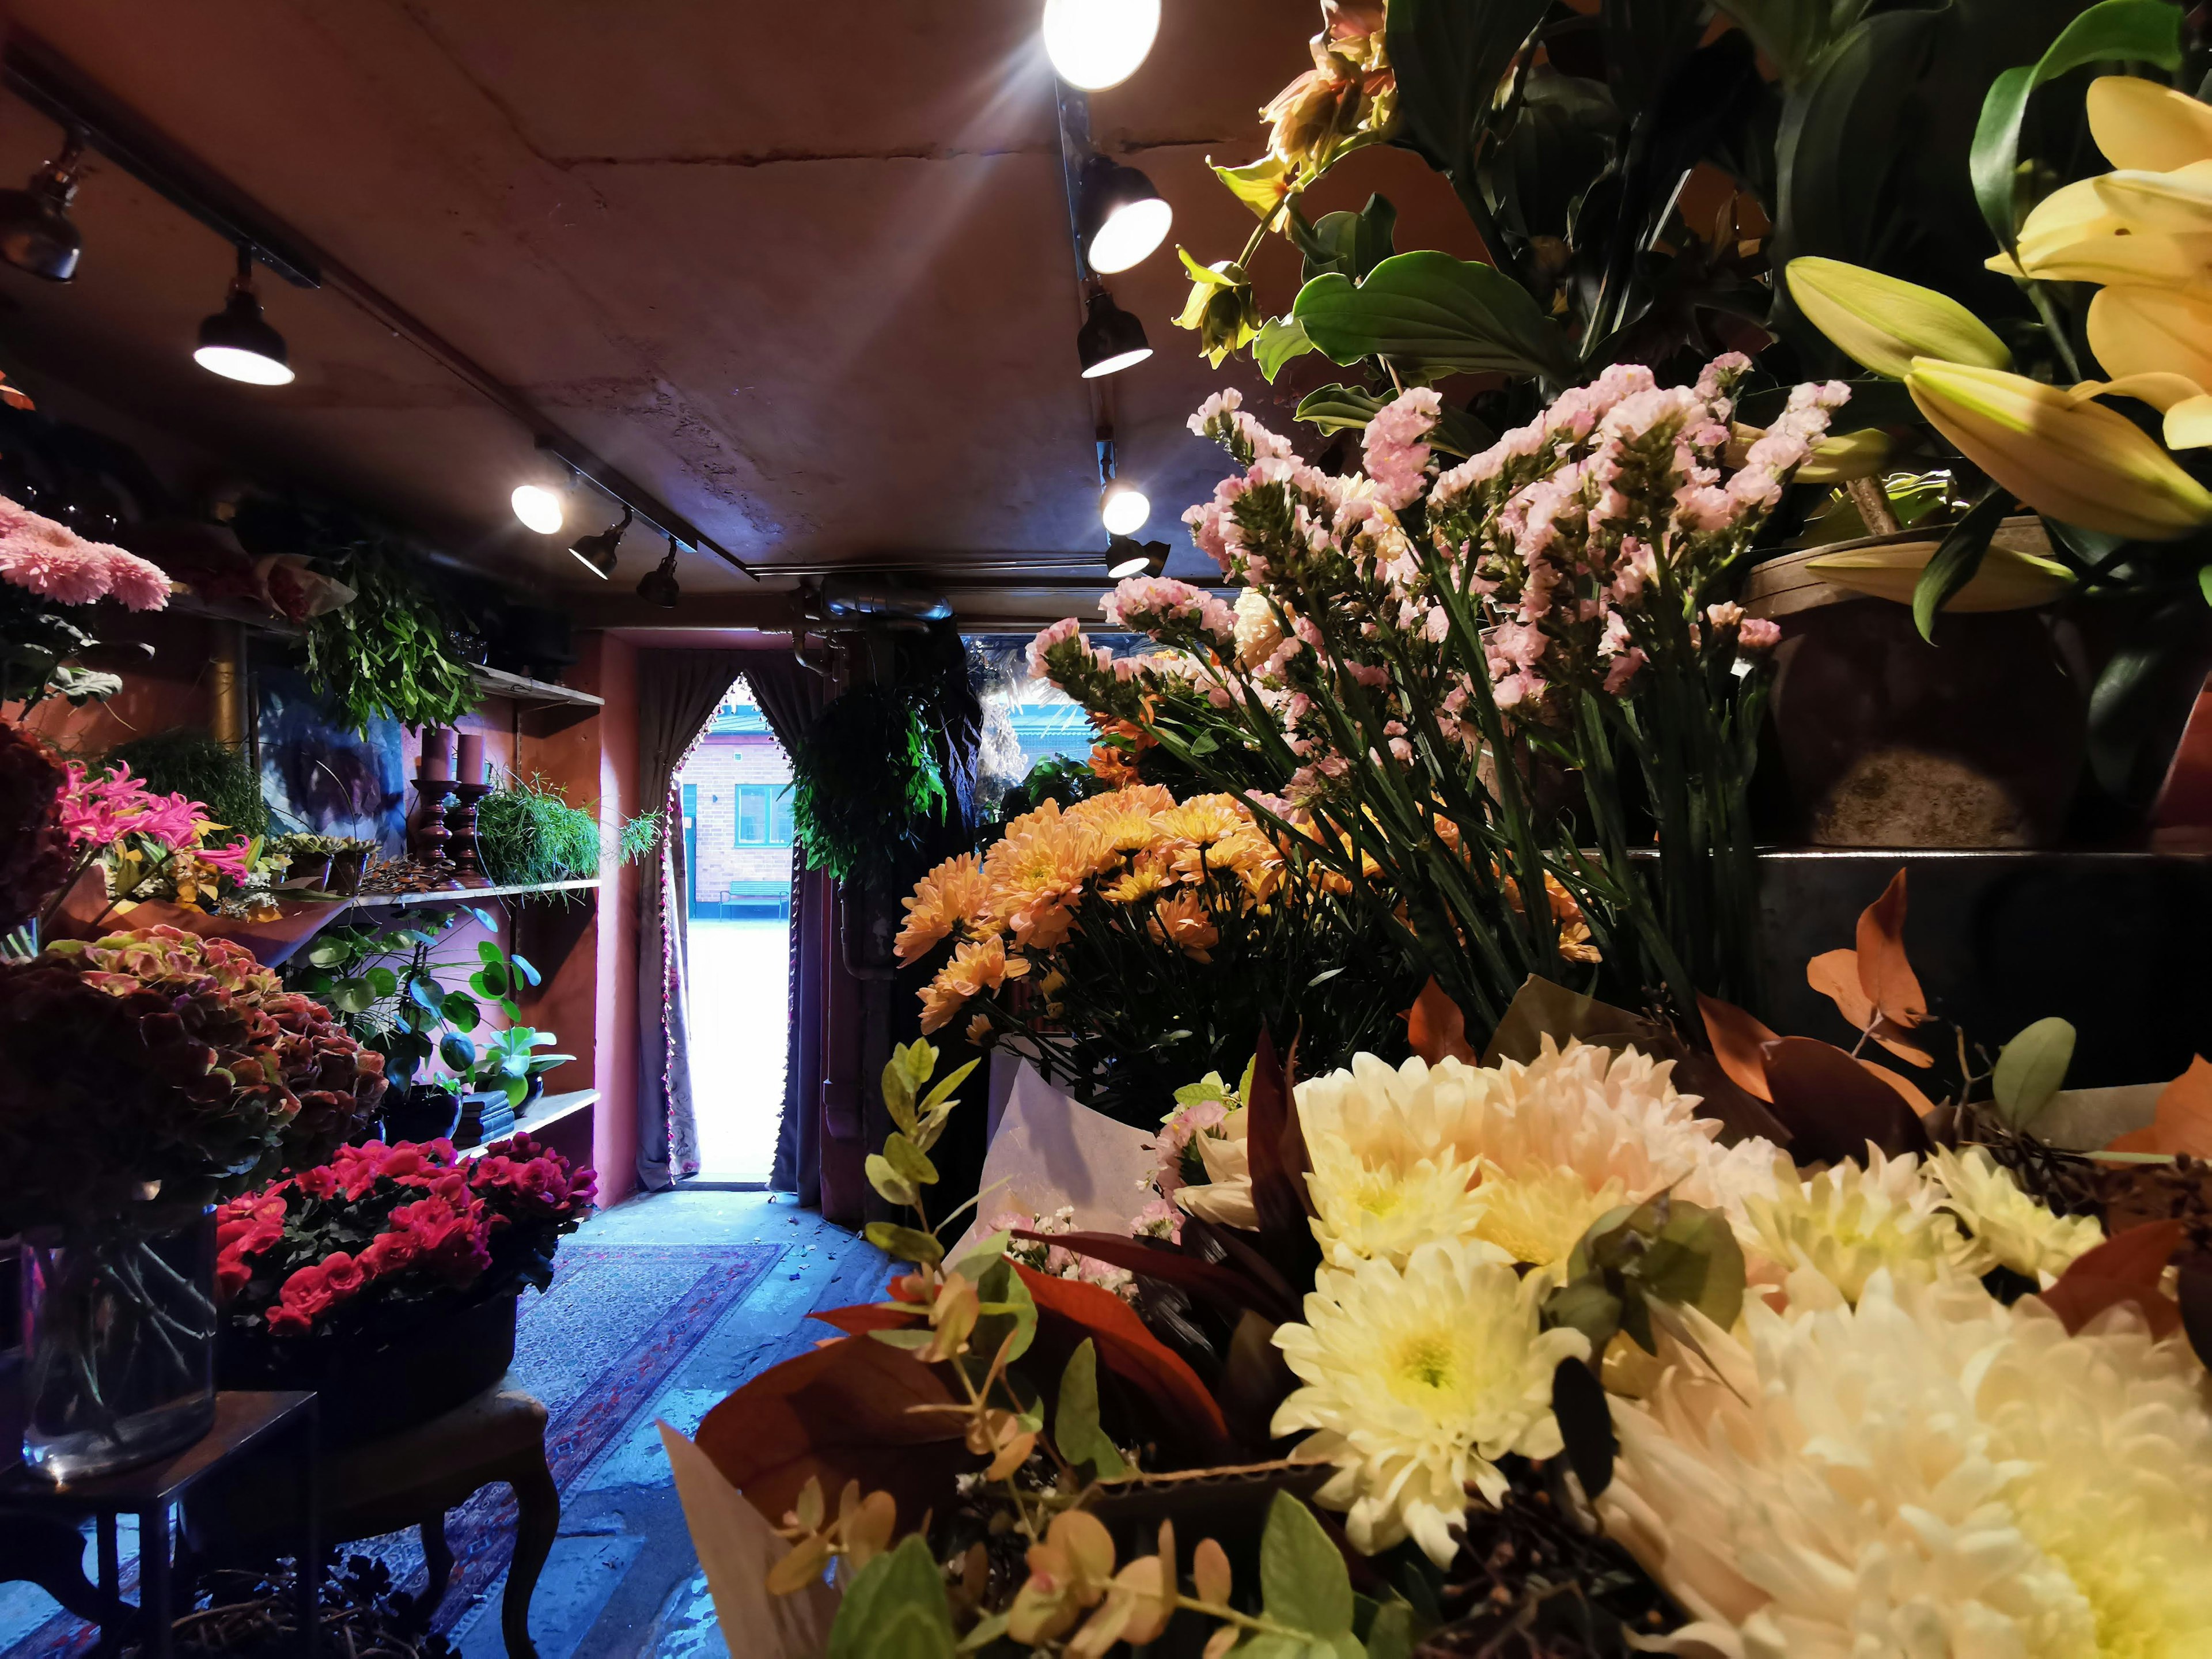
x,y
119,1343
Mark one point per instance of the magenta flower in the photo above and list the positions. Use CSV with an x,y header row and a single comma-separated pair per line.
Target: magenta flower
x,y
97,811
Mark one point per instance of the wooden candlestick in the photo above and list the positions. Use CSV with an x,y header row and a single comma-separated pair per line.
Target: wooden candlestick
x,y
426,840
461,825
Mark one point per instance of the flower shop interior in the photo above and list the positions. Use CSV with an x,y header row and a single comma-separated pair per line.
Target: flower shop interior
x,y
1079,827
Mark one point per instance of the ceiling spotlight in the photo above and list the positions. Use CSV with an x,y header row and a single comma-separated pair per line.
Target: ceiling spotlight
x,y
596,553
658,586
1123,508
1121,218
1110,339
1099,43
237,343
36,233
1126,558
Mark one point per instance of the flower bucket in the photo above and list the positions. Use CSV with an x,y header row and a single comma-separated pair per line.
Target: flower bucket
x,y
369,1386
119,1343
1885,740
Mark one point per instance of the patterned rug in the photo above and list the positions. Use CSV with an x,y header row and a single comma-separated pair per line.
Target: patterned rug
x,y
597,1349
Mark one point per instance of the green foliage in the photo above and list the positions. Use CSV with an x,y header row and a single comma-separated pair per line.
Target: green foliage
x,y
387,655
2030,1069
896,1608
528,834
1075,1416
1431,316
1638,1263
200,765
866,787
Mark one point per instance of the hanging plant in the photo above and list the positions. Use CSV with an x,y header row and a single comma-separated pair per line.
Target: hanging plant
x,y
388,655
865,786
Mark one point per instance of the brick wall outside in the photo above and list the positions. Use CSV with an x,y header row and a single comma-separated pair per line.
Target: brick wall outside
x,y
715,768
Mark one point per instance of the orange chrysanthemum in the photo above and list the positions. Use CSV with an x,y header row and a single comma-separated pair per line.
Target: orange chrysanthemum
x,y
951,897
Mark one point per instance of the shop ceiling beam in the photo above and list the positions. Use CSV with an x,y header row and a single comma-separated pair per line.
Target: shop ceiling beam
x,y
50,83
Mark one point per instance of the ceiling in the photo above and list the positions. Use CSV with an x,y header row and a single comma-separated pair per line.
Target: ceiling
x,y
802,272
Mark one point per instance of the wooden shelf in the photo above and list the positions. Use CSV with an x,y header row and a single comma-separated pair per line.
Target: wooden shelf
x,y
457,896
544,1113
498,683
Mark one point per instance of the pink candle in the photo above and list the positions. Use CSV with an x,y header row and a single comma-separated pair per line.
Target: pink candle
x,y
471,767
438,752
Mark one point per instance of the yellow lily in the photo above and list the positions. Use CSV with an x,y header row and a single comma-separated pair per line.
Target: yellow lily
x,y
1883,324
2140,124
2007,579
2139,329
2074,234
2182,401
2175,204
2074,459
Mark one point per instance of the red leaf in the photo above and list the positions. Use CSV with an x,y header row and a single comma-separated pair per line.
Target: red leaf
x,y
1884,973
2183,1123
1737,1039
864,1316
1436,1028
1833,1106
1126,1348
840,1412
2125,1267
1224,1287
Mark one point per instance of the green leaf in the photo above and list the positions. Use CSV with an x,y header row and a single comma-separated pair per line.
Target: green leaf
x,y
1335,408
1956,560
491,982
457,1051
425,994
1585,1305
1448,57
896,1608
1281,339
382,982
2204,582
457,1008
487,951
327,953
2112,31
1075,1428
904,1337
1303,1580
904,1243
945,1085
1432,315
2030,1069
1006,1306
1261,184
912,1163
982,1256
887,1181
352,996
1585,1420
898,1098
1391,1634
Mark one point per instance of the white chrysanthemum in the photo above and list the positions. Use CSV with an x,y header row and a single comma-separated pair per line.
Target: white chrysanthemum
x,y
1258,634
2006,1228
1388,1208
1539,1215
1416,1381
1851,1221
1930,1472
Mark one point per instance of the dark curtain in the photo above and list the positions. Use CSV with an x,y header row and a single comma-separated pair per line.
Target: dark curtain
x,y
677,695
791,695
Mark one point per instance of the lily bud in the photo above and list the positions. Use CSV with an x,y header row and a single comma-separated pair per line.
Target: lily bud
x,y
2078,462
2140,124
2007,580
1883,324
1849,455
2134,330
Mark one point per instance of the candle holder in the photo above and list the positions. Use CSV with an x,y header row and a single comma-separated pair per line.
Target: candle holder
x,y
461,825
427,839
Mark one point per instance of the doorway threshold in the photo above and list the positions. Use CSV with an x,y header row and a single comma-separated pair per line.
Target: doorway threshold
x,y
713,1183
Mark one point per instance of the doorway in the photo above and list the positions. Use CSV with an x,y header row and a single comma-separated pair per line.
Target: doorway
x,y
735,791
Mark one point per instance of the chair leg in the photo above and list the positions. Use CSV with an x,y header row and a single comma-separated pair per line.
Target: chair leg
x,y
438,1558
538,1502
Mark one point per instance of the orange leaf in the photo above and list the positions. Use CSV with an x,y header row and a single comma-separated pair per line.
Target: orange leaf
x,y
2125,1267
2183,1123
865,1316
1736,1038
1835,975
1904,1086
840,1412
1126,1348
1884,973
1436,1028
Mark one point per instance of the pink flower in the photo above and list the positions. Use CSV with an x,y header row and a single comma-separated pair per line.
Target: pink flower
x,y
1066,628
51,561
97,811
232,861
1757,634
135,583
1625,667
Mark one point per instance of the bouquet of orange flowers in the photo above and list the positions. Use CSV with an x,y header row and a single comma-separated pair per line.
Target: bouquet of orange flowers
x,y
1132,942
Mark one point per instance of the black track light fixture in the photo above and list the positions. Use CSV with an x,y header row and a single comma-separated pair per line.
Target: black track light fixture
x,y
597,553
1110,339
237,341
36,233
1120,218
1126,557
658,586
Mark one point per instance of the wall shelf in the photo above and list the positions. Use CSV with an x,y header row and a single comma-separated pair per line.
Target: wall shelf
x,y
498,683
543,1114
458,896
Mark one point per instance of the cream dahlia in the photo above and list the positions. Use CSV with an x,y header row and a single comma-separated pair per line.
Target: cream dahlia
x,y
1850,1222
2005,1227
1390,1207
1416,1381
1929,1472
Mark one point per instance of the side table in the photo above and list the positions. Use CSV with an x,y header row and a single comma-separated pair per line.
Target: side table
x,y
152,1491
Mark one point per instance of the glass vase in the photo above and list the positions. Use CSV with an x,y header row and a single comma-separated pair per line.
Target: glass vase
x,y
119,1343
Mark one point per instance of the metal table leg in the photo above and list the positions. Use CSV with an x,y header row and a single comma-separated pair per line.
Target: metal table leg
x,y
111,1587
157,1631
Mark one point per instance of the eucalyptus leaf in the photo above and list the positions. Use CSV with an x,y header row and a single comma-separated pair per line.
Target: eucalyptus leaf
x,y
1303,1582
1075,1429
895,1187
2030,1069
904,1243
912,1163
896,1607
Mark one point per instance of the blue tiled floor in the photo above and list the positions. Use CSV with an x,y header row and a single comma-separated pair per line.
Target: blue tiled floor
x,y
622,1581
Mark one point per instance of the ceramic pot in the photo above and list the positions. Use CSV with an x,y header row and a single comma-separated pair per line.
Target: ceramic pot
x,y
1975,741
119,1343
346,872
425,1112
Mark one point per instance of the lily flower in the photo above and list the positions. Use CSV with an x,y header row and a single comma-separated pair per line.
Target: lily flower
x,y
2139,124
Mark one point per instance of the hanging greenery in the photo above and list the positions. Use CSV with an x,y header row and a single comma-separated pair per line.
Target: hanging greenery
x,y
866,786
528,834
388,655
183,760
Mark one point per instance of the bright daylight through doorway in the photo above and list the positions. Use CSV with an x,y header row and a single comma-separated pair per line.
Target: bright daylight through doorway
x,y
736,792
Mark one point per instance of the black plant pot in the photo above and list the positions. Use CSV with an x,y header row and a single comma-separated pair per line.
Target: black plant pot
x,y
425,1112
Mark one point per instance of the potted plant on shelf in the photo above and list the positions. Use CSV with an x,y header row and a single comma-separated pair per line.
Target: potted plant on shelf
x,y
349,856
528,834
497,1079
144,1077
386,1279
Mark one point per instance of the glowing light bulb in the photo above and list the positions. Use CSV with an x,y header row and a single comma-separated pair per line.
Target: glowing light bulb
x,y
1123,508
1099,43
538,508
1129,233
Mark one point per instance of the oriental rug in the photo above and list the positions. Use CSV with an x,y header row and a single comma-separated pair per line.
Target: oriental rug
x,y
596,1348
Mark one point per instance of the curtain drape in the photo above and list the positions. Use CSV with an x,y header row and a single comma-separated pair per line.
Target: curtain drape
x,y
790,696
677,692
